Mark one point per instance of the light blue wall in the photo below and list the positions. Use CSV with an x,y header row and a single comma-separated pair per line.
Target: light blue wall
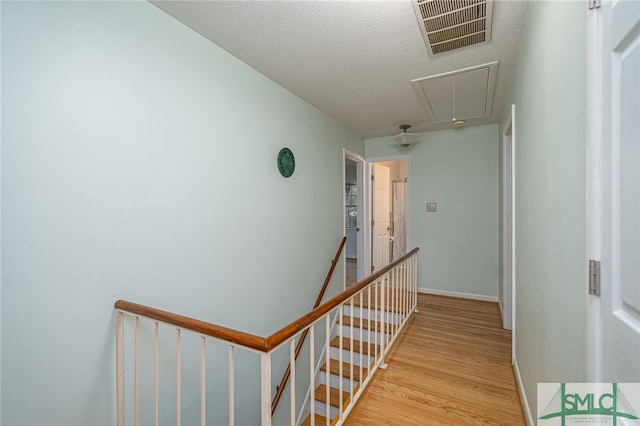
x,y
458,170
139,162
0,219
548,90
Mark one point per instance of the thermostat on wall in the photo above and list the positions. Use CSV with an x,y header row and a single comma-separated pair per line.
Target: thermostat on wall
x,y
431,207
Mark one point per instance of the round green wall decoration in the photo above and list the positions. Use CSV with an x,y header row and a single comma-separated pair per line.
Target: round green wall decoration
x,y
286,162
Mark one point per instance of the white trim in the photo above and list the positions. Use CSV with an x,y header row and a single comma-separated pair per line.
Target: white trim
x,y
513,231
404,157
481,297
507,225
594,180
526,410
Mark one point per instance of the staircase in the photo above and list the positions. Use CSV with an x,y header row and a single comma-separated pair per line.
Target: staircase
x,y
367,320
355,352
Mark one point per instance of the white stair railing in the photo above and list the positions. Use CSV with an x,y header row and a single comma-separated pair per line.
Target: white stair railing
x,y
152,367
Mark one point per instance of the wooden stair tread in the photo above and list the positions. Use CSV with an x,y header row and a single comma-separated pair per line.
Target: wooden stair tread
x,y
334,368
346,345
359,373
375,325
320,420
320,394
400,294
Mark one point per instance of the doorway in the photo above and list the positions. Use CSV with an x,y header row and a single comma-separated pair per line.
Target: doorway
x,y
389,210
353,218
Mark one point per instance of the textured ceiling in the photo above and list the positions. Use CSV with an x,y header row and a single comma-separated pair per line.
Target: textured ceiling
x,y
353,60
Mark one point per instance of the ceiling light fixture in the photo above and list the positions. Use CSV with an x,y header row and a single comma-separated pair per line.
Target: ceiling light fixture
x,y
404,139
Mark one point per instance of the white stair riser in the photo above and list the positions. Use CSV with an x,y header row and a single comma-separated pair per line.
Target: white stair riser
x,y
321,408
375,315
363,335
368,317
334,381
358,359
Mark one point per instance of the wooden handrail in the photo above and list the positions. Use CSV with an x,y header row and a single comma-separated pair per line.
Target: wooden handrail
x,y
285,333
287,373
252,341
202,327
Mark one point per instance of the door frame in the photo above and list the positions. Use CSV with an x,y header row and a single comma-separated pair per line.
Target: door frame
x,y
594,195
508,226
368,247
362,203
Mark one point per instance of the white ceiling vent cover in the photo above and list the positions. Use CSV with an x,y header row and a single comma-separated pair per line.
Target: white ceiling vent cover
x,y
451,24
458,95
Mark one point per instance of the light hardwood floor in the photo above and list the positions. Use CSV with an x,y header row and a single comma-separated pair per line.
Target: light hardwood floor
x,y
451,366
352,272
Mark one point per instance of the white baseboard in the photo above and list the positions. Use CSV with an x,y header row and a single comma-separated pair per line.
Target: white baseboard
x,y
458,294
523,396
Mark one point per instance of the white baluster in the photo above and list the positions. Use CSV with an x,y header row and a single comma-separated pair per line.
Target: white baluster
x,y
361,334
327,361
340,375
155,374
383,325
312,375
136,370
377,323
392,303
399,295
399,316
410,282
203,381
403,292
350,351
120,366
178,378
415,280
407,308
232,391
292,379
265,381
369,327
396,300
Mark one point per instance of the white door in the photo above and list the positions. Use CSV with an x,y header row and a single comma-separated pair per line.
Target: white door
x,y
381,215
618,308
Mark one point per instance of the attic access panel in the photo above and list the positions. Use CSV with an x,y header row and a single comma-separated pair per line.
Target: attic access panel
x,y
463,95
451,24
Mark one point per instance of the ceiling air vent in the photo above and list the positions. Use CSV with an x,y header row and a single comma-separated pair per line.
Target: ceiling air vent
x,y
451,24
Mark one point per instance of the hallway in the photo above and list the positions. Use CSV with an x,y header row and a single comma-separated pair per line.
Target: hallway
x,y
451,366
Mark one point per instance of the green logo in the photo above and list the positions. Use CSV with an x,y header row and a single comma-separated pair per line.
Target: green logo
x,y
589,403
